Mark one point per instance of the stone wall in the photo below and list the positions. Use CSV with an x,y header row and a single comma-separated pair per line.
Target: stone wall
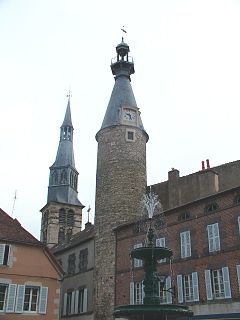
x,y
121,183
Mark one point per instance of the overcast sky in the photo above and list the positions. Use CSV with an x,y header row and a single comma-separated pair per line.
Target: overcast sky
x,y
187,86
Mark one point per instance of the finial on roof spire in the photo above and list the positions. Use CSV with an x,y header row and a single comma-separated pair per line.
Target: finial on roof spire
x,y
69,94
124,31
88,211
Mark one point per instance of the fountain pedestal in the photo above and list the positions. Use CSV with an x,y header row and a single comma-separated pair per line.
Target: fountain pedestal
x,y
151,309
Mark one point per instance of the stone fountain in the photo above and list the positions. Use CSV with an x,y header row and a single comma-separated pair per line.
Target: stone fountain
x,y
151,309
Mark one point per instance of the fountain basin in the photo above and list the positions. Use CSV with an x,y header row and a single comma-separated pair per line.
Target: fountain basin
x,y
153,312
151,253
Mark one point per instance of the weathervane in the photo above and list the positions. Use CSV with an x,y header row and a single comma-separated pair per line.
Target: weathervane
x,y
124,31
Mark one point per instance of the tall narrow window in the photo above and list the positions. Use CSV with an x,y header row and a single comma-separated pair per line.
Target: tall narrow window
x,y
217,284
187,286
4,254
83,259
213,237
31,297
136,292
185,244
3,296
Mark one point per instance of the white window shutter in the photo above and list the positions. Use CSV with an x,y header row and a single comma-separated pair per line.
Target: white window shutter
x,y
20,299
11,297
65,304
238,276
208,285
72,302
43,300
195,286
143,293
180,288
2,250
226,282
188,244
76,301
131,293
168,286
85,299
217,237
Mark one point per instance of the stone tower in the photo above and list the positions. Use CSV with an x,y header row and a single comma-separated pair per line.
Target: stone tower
x,y
62,215
121,176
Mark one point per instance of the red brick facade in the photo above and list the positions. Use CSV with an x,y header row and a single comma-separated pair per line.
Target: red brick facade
x,y
222,208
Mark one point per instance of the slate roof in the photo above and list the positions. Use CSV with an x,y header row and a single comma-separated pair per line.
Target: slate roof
x,y
11,230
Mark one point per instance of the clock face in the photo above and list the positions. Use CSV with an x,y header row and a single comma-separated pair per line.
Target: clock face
x,y
129,115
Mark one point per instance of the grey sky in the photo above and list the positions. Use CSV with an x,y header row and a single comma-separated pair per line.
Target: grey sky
x,y
186,84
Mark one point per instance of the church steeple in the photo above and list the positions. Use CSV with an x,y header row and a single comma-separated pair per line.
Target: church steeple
x,y
62,214
63,180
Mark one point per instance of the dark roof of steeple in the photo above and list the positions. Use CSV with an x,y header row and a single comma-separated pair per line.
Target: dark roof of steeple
x,y
67,122
122,94
65,154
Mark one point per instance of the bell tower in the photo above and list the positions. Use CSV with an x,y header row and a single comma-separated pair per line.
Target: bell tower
x,y
121,176
62,215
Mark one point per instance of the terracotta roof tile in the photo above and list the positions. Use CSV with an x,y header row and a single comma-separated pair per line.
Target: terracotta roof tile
x,y
11,230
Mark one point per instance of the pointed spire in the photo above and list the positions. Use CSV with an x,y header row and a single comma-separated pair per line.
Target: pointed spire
x,y
67,122
63,174
122,98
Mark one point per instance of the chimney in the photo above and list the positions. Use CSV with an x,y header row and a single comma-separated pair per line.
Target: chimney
x,y
203,166
208,165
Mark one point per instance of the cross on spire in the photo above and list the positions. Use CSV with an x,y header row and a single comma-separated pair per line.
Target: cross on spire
x,y
123,31
69,94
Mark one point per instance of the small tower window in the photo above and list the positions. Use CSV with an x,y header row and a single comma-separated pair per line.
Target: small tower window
x,y
130,135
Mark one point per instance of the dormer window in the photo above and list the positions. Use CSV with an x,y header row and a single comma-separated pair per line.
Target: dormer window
x,y
67,133
211,207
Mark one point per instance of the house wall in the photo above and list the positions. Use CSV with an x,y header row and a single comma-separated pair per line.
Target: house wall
x,y
78,279
28,265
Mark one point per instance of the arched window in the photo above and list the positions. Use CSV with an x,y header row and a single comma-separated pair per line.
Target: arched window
x,y
61,234
70,218
62,216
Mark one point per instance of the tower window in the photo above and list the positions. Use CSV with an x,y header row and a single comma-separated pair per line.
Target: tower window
x,y
130,135
70,218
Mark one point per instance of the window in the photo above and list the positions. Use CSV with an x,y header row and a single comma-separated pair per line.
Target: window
x,y
184,216
137,262
61,234
83,259
3,296
237,199
213,237
82,300
70,302
185,244
71,263
70,218
211,207
31,299
160,242
75,301
217,284
130,135
136,292
4,254
188,287
239,224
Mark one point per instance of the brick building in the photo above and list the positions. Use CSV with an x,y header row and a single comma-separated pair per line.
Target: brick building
x,y
29,275
204,235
